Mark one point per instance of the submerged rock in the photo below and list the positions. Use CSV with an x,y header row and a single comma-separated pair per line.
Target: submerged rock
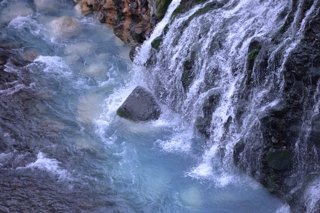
x,y
96,70
139,106
46,5
13,11
89,108
81,49
64,27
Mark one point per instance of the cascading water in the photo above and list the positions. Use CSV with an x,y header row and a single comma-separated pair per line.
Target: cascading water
x,y
63,149
231,68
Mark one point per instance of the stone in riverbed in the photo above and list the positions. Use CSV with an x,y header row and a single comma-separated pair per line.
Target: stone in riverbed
x,y
80,49
13,11
64,27
139,106
48,6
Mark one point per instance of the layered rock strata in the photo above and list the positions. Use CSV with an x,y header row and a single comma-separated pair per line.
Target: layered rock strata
x,y
131,20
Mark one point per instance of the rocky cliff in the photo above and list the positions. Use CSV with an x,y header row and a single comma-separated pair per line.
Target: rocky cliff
x,y
131,20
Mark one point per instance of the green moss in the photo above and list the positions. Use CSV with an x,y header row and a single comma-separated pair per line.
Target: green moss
x,y
279,32
156,42
177,11
253,54
120,113
200,1
166,29
162,7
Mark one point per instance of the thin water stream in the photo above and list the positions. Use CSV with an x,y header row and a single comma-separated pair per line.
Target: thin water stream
x,y
63,149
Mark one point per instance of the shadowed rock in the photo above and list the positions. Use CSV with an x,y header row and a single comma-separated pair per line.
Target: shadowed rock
x,y
139,106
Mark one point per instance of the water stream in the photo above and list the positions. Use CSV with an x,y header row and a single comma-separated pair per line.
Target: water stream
x,y
63,149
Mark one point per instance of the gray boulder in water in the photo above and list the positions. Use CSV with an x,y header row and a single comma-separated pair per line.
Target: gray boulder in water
x,y
139,106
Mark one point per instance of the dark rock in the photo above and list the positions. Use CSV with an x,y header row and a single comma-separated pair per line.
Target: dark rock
x,y
237,150
139,106
133,51
2,60
203,124
280,159
315,130
188,73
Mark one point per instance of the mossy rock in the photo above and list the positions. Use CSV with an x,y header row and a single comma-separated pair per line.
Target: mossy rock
x,y
253,54
280,159
156,42
162,7
177,11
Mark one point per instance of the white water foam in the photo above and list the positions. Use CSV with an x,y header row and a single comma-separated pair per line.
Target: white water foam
x,y
27,25
16,88
284,209
49,165
211,168
179,142
312,197
54,65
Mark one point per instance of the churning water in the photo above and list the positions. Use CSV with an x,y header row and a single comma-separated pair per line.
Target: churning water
x,y
63,149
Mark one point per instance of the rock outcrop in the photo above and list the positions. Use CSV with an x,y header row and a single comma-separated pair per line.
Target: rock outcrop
x,y
131,20
139,106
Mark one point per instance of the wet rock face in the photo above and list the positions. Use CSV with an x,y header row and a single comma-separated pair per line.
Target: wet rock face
x,y
139,106
131,20
290,130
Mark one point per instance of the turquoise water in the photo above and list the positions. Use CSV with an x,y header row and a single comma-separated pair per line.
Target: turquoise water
x,y
80,156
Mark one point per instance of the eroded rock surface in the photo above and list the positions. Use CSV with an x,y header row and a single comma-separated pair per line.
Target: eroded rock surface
x,y
131,20
139,106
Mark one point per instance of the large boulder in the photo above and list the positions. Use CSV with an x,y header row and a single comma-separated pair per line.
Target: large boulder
x,y
139,106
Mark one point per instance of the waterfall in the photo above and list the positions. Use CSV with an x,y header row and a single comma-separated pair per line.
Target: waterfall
x,y
238,84
226,68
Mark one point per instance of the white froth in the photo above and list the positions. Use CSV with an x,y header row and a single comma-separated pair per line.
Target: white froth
x,y
54,65
211,168
284,209
50,165
179,142
26,25
312,196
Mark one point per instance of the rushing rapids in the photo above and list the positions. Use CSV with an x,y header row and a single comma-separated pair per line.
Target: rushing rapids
x,y
237,83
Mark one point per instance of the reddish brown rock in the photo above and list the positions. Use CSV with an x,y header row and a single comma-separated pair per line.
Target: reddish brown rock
x,y
131,20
